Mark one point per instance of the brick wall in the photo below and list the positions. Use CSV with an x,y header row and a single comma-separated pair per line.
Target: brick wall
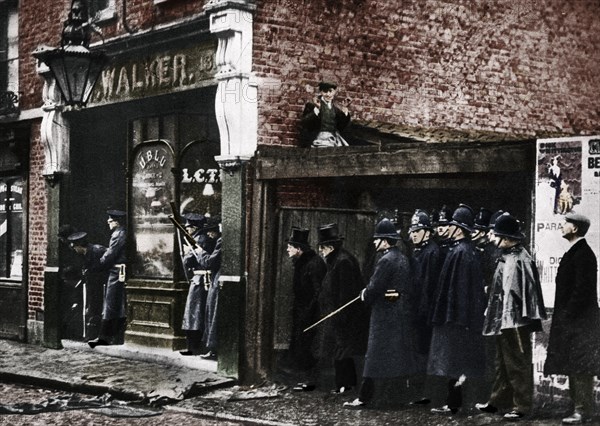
x,y
36,223
527,68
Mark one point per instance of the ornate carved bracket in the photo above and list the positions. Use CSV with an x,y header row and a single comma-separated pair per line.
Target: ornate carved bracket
x,y
54,130
237,92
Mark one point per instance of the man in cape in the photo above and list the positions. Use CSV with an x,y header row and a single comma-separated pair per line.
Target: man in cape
x,y
515,310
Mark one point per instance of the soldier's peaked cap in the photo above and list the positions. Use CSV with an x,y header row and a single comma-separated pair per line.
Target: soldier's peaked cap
x,y
116,214
77,238
194,219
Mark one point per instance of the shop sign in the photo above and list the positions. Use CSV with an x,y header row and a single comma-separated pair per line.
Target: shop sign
x,y
568,179
159,73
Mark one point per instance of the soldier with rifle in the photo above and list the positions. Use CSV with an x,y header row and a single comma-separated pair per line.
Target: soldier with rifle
x,y
192,238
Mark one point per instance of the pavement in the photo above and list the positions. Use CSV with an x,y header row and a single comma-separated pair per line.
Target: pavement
x,y
190,384
128,372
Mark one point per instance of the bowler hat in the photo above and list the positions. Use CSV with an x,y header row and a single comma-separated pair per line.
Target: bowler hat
x,y
482,220
419,220
386,229
299,237
324,86
328,233
508,226
194,219
445,215
116,214
582,222
78,238
463,217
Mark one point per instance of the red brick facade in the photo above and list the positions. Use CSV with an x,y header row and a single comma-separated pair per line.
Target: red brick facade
x,y
37,237
525,68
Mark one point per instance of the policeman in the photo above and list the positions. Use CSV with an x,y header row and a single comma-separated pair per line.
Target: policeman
x,y
390,297
114,260
443,231
425,271
484,247
457,349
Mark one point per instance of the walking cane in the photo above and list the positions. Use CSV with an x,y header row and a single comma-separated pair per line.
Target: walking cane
x,y
332,314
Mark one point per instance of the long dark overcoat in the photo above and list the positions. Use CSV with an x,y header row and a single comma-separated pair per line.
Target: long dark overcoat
x,y
425,270
212,262
195,303
391,348
457,345
575,330
345,334
114,294
309,270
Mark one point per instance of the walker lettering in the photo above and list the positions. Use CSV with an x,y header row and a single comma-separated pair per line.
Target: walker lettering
x,y
149,76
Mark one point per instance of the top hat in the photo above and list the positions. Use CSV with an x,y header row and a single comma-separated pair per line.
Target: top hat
x,y
386,229
328,233
78,238
325,86
117,215
299,237
194,219
482,220
495,217
445,215
463,217
419,220
508,226
582,222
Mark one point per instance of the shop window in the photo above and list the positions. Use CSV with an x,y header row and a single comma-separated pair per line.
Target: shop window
x,y
173,167
11,228
9,58
151,193
200,179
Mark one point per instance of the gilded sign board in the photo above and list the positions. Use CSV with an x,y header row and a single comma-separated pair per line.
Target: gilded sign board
x,y
159,73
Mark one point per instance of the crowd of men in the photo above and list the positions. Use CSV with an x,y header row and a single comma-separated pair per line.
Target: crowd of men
x,y
428,311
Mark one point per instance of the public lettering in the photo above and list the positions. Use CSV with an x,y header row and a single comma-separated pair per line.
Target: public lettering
x,y
16,189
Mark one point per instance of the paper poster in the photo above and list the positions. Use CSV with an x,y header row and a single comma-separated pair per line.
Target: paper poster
x,y
567,180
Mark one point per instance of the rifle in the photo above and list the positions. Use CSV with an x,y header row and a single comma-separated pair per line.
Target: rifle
x,y
190,240
177,217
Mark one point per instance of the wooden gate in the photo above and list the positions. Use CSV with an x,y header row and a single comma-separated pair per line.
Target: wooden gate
x,y
356,226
